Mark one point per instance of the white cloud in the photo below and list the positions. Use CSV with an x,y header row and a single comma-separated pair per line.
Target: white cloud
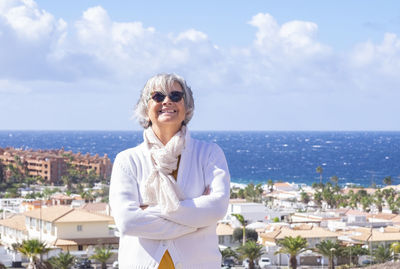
x,y
374,67
192,35
293,39
12,87
283,58
27,36
40,53
28,21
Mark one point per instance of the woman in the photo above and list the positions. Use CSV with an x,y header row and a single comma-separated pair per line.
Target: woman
x,y
168,193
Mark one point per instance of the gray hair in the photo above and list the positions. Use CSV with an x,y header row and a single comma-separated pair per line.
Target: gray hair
x,y
163,82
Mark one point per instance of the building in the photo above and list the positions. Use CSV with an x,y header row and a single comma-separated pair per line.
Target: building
x,y
251,212
311,233
61,227
225,236
51,165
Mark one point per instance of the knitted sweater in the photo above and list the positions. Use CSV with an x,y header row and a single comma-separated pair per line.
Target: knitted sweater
x,y
189,233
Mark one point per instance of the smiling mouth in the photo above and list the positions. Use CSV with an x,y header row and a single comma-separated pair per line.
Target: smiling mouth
x,y
166,111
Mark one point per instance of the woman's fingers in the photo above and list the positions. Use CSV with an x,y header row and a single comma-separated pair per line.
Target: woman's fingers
x,y
207,190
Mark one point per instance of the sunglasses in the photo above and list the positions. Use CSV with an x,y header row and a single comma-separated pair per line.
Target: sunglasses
x,y
174,96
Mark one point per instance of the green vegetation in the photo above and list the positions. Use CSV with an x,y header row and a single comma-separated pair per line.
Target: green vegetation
x,y
242,221
353,252
252,193
229,253
64,260
102,254
319,170
250,235
382,254
292,246
32,249
252,251
329,249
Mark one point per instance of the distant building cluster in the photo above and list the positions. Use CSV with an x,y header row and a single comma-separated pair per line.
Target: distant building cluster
x,y
51,165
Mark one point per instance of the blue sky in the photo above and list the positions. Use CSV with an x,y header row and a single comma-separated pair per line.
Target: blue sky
x,y
252,65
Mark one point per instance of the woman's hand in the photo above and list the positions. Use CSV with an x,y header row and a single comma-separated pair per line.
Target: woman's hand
x,y
207,190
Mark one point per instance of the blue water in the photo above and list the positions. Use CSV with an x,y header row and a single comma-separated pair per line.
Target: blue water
x,y
355,157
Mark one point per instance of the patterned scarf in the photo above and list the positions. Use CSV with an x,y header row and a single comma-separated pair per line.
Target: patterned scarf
x,y
160,187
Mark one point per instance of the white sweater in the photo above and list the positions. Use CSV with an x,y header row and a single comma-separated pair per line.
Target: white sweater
x,y
189,233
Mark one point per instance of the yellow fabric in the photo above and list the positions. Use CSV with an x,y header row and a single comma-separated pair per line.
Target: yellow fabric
x,y
175,172
166,262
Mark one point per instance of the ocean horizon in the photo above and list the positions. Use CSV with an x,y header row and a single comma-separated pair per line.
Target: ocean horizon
x,y
355,157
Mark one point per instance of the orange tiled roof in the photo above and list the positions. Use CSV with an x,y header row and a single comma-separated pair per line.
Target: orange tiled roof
x,y
83,216
224,229
94,207
16,222
385,216
315,232
61,213
50,214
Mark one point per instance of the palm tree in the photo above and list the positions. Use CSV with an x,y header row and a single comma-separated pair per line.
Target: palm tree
x,y
87,196
62,261
228,252
252,251
378,200
253,192
292,246
366,202
305,198
387,180
102,254
354,251
242,221
335,180
251,234
31,249
382,254
318,198
389,193
329,249
270,185
319,170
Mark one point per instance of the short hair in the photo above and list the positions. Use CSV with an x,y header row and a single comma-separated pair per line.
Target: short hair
x,y
162,82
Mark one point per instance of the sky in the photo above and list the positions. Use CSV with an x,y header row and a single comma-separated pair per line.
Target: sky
x,y
252,65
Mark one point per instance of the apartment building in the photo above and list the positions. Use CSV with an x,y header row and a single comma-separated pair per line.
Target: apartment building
x,y
51,165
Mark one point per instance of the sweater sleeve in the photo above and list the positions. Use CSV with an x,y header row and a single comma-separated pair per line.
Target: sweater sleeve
x,y
130,219
207,209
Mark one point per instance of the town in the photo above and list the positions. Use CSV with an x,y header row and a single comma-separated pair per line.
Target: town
x,y
54,211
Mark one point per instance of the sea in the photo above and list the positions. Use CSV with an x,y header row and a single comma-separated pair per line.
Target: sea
x,y
361,158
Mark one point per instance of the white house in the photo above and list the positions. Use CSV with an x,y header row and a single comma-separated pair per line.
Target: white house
x,y
60,226
251,212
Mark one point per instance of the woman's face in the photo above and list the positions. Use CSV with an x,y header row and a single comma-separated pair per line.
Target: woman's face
x,y
167,114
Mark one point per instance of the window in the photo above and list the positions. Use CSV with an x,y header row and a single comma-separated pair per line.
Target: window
x,y
80,247
79,228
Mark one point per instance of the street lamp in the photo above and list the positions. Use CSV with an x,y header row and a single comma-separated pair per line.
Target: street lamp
x,y
350,245
331,261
